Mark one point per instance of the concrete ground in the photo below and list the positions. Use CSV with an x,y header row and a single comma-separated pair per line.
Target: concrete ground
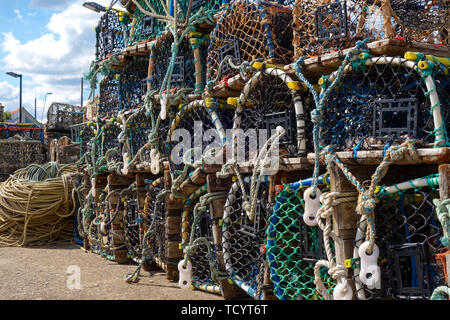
x,y
44,273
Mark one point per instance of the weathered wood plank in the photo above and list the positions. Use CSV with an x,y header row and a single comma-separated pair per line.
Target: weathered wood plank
x,y
444,181
374,157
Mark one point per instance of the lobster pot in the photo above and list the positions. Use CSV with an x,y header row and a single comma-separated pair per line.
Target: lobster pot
x,y
100,240
323,26
110,33
108,105
141,126
271,99
201,273
183,74
246,31
408,237
293,247
132,83
244,239
197,127
81,193
145,28
154,215
110,140
61,116
133,225
17,153
86,211
384,103
25,131
85,135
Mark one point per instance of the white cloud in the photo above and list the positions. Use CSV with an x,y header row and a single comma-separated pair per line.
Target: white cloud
x,y
53,62
19,16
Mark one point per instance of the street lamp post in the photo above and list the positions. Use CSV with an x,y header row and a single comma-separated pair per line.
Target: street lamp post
x,y
45,100
94,6
15,75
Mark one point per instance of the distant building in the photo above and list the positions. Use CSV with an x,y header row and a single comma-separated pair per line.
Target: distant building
x,y
26,117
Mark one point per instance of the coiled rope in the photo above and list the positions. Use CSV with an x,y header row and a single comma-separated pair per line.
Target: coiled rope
x,y
37,204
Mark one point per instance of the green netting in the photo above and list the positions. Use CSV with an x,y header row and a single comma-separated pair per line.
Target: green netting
x,y
144,27
293,248
408,236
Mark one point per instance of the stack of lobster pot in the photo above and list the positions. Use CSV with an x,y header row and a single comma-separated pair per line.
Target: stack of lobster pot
x,y
290,149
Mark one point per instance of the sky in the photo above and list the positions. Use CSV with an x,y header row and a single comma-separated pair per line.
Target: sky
x,y
51,43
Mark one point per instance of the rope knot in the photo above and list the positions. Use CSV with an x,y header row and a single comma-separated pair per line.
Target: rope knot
x,y
316,117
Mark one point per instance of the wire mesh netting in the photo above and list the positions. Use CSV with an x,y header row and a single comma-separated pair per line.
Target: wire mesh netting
x,y
144,27
244,239
110,33
61,116
195,129
324,26
97,212
382,104
408,235
108,105
138,130
17,153
248,31
293,247
86,133
155,212
133,224
421,20
111,131
201,272
183,74
132,83
268,103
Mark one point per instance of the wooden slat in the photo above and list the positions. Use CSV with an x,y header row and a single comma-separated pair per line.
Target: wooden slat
x,y
327,63
374,157
444,181
116,180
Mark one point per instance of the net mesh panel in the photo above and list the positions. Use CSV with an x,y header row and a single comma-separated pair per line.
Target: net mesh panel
x,y
243,33
143,27
422,19
201,273
322,26
138,131
86,134
133,225
27,132
146,28
184,69
156,211
408,235
271,105
61,116
196,120
16,154
108,105
110,141
383,103
132,83
197,4
293,248
109,35
98,241
244,240
442,82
